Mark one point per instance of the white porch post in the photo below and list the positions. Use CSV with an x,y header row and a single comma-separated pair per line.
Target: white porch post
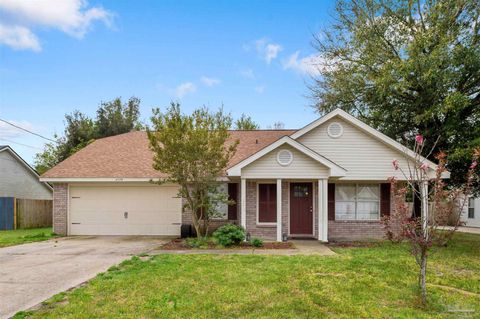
x,y
322,205
424,208
243,203
279,210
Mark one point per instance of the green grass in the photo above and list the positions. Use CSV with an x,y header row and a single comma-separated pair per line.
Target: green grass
x,y
22,236
361,282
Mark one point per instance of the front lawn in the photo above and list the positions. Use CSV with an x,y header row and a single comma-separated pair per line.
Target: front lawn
x,y
22,236
362,282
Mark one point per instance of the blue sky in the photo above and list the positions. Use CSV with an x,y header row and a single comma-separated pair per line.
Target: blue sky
x,y
251,56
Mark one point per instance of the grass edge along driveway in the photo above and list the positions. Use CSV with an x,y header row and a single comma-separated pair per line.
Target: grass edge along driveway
x,y
362,282
22,236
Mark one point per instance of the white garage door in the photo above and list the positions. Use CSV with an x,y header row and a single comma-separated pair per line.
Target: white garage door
x,y
124,210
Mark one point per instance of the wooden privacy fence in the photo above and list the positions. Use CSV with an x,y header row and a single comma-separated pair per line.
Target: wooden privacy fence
x,y
34,213
25,213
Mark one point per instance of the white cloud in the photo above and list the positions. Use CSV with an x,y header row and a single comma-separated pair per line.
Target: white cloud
x,y
209,81
72,17
311,64
19,38
260,89
267,50
184,89
8,131
247,73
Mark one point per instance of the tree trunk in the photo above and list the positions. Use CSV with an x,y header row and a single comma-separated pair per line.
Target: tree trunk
x,y
423,276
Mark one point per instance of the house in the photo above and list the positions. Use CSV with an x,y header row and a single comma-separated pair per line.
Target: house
x,y
471,213
18,179
327,180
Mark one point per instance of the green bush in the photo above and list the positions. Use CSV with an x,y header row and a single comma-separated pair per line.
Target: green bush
x,y
257,242
228,235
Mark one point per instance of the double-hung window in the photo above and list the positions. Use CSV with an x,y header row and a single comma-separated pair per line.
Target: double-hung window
x,y
267,203
357,201
471,207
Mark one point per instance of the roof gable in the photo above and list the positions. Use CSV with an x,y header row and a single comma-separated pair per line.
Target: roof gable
x,y
28,168
363,127
335,170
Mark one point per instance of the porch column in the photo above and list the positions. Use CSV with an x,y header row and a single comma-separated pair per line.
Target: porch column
x,y
424,208
243,203
279,210
322,205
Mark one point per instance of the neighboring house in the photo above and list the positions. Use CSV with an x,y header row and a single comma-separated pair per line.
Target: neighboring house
x,y
18,179
471,213
328,180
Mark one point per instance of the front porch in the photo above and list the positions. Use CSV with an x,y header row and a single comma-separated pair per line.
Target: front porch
x,y
284,208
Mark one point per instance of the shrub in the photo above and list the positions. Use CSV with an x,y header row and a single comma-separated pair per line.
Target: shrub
x,y
228,235
257,242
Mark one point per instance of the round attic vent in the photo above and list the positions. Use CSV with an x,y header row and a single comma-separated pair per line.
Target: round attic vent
x,y
284,157
335,130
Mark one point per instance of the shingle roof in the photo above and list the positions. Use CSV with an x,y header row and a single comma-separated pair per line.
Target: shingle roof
x,y
128,155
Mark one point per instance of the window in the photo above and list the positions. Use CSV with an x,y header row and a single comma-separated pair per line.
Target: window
x,y
222,208
357,201
471,207
300,190
267,203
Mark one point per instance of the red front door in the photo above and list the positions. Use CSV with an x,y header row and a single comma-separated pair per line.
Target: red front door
x,y
301,209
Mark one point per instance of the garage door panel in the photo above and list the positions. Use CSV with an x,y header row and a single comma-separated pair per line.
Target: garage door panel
x,y
152,210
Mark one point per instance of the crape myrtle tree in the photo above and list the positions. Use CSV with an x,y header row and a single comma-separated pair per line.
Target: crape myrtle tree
x,y
193,151
405,67
439,205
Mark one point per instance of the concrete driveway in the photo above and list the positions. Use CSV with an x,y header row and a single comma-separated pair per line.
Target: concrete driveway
x,y
32,273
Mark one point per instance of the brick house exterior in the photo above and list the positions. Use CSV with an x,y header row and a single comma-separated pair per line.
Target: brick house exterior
x,y
326,181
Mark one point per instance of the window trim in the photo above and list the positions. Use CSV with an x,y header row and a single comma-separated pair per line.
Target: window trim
x,y
356,200
258,206
471,208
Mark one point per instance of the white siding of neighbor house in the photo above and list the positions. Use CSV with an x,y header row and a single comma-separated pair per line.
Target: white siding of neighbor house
x,y
302,166
16,180
475,221
362,155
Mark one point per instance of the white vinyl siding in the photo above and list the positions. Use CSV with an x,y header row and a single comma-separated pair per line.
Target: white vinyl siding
x,y
16,180
302,166
362,155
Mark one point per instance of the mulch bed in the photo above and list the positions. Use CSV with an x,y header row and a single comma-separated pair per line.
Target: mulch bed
x,y
180,244
347,244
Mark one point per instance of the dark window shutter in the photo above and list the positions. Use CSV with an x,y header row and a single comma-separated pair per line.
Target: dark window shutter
x,y
233,196
267,203
385,199
331,201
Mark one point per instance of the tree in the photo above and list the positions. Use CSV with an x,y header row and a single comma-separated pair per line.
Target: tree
x,y
115,118
245,122
438,206
112,118
405,67
193,151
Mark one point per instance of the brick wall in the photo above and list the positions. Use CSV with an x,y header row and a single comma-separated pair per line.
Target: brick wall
x,y
354,230
60,208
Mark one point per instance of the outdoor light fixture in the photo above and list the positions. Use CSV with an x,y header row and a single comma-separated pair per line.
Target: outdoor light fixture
x,y
284,237
248,237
